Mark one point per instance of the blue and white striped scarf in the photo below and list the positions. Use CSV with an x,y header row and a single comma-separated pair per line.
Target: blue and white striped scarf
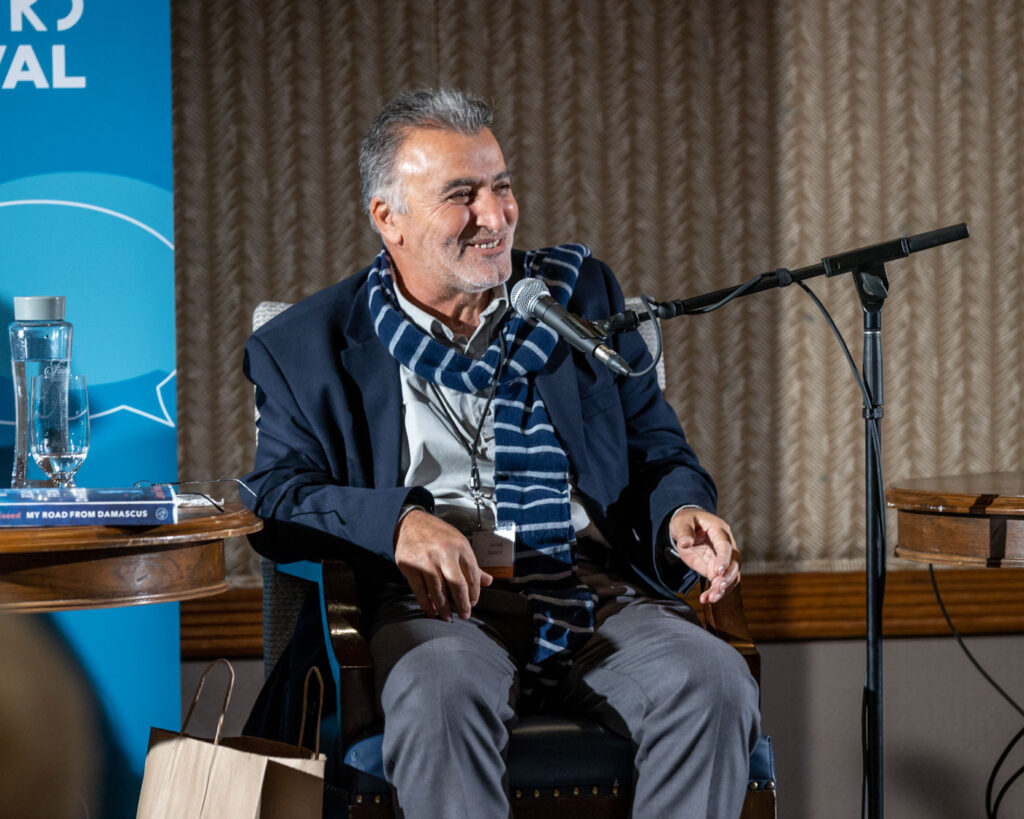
x,y
531,469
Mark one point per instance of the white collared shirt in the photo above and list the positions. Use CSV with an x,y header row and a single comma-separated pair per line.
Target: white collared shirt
x,y
431,455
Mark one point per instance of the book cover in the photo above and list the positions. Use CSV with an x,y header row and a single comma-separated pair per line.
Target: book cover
x,y
116,506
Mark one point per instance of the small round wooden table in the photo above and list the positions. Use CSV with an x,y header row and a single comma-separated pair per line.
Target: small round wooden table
x,y
961,520
53,568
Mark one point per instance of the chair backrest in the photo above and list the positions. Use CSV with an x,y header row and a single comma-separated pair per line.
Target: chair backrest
x,y
649,333
283,594
264,312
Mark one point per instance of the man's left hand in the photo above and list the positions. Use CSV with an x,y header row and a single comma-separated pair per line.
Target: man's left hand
x,y
705,543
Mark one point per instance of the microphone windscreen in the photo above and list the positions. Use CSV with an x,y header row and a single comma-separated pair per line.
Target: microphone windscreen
x,y
525,294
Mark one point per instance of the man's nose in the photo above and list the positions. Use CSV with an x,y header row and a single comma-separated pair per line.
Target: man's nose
x,y
490,212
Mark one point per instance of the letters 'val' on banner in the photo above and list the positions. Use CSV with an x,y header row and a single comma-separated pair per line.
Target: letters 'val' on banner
x,y
86,213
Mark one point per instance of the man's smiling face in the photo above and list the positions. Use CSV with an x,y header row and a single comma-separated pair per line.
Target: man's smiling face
x,y
454,233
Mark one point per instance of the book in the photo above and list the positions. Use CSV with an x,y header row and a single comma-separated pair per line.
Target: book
x,y
80,506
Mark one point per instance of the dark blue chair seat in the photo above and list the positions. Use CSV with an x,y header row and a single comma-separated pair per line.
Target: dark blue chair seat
x,y
548,756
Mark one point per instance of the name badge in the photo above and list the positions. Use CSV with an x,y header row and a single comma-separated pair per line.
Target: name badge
x,y
495,550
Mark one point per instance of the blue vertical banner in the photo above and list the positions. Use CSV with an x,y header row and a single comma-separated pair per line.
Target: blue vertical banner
x,y
86,212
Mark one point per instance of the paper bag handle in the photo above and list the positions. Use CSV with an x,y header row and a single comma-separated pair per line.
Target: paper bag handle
x,y
227,697
320,711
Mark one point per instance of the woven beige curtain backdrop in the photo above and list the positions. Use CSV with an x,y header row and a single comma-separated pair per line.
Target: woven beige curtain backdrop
x,y
691,145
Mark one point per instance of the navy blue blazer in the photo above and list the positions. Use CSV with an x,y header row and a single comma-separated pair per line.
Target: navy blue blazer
x,y
327,476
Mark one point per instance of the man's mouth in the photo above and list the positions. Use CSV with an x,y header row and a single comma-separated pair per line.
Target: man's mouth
x,y
488,244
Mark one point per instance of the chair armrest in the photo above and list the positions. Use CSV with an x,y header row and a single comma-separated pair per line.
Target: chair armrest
x,y
351,662
343,615
725,619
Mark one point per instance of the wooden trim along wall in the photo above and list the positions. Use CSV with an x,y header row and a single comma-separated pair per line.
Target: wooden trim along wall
x,y
226,625
798,606
827,605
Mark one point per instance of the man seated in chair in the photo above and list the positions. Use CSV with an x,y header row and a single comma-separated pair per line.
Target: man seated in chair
x,y
520,518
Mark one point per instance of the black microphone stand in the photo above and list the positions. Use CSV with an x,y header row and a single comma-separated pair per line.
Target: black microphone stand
x,y
867,264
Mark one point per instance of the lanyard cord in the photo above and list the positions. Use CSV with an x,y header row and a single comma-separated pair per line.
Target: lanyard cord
x,y
453,425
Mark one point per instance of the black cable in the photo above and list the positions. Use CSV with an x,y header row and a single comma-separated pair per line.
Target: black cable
x,y
1010,781
959,639
990,808
735,294
875,442
648,303
842,343
678,309
875,426
875,437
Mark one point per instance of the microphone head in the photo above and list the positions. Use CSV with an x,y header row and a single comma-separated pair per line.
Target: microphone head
x,y
525,295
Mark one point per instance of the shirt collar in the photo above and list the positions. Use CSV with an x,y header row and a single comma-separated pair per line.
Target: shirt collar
x,y
483,336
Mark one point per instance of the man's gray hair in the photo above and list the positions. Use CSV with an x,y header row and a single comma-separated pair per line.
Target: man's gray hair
x,y
446,108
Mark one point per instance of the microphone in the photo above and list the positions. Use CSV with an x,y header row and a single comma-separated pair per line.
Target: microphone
x,y
532,299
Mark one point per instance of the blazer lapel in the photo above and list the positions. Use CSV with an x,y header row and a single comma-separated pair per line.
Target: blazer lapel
x,y
373,369
557,385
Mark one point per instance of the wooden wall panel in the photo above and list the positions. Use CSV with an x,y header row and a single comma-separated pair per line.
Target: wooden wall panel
x,y
897,118
691,145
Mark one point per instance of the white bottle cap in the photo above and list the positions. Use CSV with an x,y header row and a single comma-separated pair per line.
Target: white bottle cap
x,y
38,308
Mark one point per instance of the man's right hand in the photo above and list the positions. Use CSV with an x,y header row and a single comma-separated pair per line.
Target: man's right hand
x,y
439,563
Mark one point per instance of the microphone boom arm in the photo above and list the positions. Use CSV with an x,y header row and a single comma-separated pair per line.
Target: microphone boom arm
x,y
859,259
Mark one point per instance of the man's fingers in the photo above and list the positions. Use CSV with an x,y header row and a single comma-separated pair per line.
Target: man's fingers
x,y
721,539
438,596
458,576
477,578
684,534
442,562
464,581
721,584
456,585
419,590
705,543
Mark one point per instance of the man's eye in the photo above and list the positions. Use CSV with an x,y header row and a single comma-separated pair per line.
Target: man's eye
x,y
503,187
459,196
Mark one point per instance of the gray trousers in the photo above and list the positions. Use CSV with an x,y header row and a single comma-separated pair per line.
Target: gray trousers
x,y
449,691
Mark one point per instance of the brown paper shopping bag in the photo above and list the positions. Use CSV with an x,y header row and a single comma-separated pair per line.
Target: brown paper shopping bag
x,y
233,778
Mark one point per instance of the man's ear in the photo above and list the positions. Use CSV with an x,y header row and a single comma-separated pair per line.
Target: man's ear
x,y
384,218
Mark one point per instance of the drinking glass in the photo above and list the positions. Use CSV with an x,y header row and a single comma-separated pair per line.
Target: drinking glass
x,y
59,436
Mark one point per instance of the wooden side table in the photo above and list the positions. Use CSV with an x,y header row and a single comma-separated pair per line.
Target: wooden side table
x,y
961,520
55,568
